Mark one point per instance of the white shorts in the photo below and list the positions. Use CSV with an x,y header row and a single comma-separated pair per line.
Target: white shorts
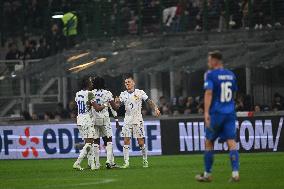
x,y
86,131
135,130
103,130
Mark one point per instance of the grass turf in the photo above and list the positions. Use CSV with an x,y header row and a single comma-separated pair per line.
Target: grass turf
x,y
258,170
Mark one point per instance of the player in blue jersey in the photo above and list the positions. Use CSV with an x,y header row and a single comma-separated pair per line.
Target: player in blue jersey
x,y
219,114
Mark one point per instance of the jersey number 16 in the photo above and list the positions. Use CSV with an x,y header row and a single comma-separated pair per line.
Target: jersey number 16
x,y
226,91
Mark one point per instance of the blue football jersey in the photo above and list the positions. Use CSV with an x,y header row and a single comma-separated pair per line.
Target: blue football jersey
x,y
223,84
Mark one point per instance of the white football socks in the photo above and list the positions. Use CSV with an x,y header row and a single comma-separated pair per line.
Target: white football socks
x,y
91,156
97,153
144,151
126,153
87,147
109,152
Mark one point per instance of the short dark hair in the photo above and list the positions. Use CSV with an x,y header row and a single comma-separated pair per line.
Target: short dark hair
x,y
128,76
85,82
216,54
99,83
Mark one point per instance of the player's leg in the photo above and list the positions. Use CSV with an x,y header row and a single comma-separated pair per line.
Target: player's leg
x,y
87,146
143,148
107,138
211,134
234,158
83,153
96,147
109,151
230,135
139,133
126,134
126,148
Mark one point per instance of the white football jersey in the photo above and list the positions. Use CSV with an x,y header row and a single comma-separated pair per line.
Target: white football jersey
x,y
133,105
102,97
84,116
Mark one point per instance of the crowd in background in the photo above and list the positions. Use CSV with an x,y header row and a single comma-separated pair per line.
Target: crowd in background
x,y
30,18
181,106
191,105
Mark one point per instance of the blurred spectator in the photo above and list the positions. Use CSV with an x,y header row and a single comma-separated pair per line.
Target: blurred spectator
x,y
56,40
191,106
150,16
43,49
169,12
132,24
30,51
70,24
245,13
61,112
277,102
257,108
13,52
240,104
26,115
34,117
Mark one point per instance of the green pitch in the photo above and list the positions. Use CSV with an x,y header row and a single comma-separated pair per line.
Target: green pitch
x,y
262,170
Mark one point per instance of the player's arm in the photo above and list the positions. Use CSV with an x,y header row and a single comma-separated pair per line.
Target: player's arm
x,y
154,107
114,105
208,87
94,104
114,113
207,103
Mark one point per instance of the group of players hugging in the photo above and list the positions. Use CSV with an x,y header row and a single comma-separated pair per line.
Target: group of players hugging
x,y
93,120
219,115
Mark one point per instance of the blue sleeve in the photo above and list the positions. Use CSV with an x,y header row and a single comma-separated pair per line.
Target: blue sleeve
x,y
208,84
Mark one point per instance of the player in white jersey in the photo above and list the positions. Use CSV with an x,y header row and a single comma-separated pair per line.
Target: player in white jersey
x,y
85,100
133,122
102,121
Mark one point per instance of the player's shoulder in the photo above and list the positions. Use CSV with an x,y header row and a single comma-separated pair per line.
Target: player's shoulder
x,y
81,92
107,92
139,91
123,93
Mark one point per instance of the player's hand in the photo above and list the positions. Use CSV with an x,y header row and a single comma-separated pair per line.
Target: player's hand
x,y
157,112
207,120
116,99
117,125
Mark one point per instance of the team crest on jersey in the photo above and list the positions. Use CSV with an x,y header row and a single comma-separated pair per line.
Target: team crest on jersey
x,y
136,97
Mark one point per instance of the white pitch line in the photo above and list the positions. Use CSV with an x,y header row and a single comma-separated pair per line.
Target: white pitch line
x,y
102,181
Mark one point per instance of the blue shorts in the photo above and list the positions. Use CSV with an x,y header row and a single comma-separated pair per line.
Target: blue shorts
x,y
222,126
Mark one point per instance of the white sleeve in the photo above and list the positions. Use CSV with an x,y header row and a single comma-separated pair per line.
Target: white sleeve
x,y
76,97
121,97
114,113
109,96
144,96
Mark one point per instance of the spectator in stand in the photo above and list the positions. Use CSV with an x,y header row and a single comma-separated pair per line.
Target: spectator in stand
x,y
277,102
258,14
214,12
13,52
191,106
132,24
239,104
257,108
169,12
245,14
61,112
56,40
151,16
195,14
43,49
30,51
